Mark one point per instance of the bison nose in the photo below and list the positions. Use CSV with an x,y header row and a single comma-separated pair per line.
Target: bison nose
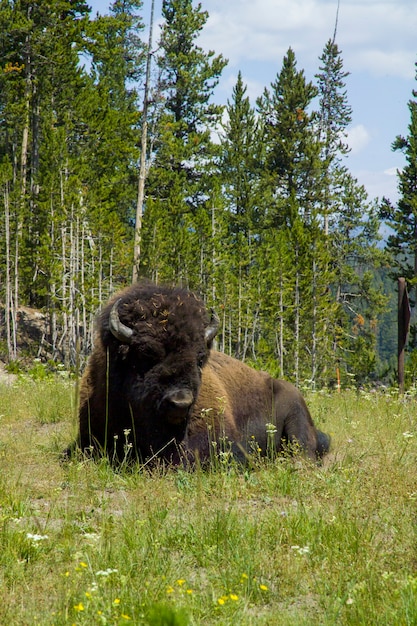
x,y
180,398
176,404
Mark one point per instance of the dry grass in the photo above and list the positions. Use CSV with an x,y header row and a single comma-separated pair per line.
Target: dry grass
x,y
285,543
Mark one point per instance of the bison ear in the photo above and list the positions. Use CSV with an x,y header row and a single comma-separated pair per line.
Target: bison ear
x,y
212,328
122,332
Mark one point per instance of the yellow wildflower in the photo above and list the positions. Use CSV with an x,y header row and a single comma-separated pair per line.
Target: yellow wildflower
x,y
79,607
234,597
263,587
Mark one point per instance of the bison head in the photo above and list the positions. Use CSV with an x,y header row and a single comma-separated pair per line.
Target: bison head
x,y
157,346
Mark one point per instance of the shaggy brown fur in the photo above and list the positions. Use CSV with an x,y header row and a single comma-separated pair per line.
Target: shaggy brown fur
x,y
244,401
153,388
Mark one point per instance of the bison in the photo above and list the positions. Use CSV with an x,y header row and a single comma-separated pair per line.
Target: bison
x,y
155,388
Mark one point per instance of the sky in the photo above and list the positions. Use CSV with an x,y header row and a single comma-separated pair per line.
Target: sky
x,y
378,44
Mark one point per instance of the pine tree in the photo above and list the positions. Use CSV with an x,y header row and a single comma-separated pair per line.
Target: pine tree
x,y
402,219
38,50
117,59
292,164
239,165
143,161
292,186
71,136
178,183
355,259
350,224
335,115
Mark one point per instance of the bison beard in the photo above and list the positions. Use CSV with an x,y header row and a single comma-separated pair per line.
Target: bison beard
x,y
154,389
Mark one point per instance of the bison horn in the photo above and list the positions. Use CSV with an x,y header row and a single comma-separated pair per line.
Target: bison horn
x,y
212,328
122,332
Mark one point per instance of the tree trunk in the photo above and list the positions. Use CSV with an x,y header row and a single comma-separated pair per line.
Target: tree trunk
x,y
314,328
281,324
142,165
9,315
297,321
403,325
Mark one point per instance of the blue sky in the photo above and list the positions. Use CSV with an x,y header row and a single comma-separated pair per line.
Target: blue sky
x,y
378,40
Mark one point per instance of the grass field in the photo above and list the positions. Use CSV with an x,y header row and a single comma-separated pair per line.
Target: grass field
x,y
285,543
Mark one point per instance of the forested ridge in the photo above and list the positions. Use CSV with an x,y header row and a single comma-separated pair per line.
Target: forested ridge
x,y
250,204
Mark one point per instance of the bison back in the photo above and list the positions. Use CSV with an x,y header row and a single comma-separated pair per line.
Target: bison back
x,y
244,406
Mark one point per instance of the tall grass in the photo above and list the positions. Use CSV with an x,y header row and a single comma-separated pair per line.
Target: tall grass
x,y
285,542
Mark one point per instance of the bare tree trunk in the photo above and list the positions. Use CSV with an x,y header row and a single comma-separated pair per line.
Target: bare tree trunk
x,y
415,265
52,295
281,329
8,280
81,341
281,324
100,270
111,271
314,327
75,271
222,344
63,340
239,316
254,325
297,324
72,269
202,258
53,321
142,165
213,252
9,312
249,316
23,187
403,326
230,334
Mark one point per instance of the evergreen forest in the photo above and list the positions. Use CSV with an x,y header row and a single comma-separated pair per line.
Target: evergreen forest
x,y
117,163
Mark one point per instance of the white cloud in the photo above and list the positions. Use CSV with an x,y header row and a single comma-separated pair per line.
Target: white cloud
x,y
374,36
384,63
263,30
378,184
254,88
377,40
392,171
358,138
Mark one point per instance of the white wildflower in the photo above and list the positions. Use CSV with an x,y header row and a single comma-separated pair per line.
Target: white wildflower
x,y
301,549
106,572
271,429
92,537
35,538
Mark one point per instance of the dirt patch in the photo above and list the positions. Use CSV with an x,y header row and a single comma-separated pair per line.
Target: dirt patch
x,y
5,377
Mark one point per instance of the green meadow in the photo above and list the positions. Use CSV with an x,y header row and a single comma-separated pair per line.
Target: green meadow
x,y
280,543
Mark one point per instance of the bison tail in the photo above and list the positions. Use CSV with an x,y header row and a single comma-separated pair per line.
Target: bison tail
x,y
323,444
